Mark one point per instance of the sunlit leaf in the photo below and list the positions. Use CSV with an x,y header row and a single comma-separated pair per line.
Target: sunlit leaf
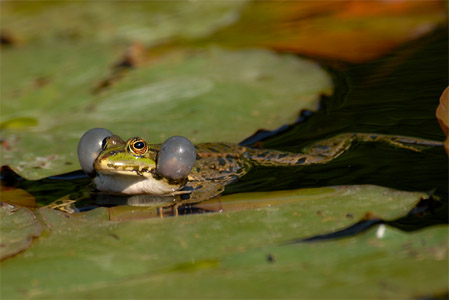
x,y
381,263
356,201
128,213
87,254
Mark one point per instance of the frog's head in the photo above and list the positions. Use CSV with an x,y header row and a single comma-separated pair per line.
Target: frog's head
x,y
133,167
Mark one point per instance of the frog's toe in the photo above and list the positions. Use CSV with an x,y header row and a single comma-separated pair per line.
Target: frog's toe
x,y
176,158
89,146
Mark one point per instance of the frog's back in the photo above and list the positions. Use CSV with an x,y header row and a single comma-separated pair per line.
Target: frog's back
x,y
223,162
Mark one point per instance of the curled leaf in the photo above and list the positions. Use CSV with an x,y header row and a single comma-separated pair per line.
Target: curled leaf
x,y
18,228
442,115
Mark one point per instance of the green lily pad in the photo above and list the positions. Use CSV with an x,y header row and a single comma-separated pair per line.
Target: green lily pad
x,y
86,254
18,228
314,205
40,96
145,21
381,263
213,95
60,55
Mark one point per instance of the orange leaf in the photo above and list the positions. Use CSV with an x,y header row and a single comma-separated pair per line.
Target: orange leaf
x,y
17,197
442,115
352,31
443,111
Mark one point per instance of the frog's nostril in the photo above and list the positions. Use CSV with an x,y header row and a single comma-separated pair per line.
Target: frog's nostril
x,y
176,158
89,146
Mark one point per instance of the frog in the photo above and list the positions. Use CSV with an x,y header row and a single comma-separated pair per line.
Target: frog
x,y
177,172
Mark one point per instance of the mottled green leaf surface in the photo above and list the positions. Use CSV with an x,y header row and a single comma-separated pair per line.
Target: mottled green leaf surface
x,y
18,227
51,73
341,205
213,95
382,263
145,21
197,95
61,52
50,86
224,255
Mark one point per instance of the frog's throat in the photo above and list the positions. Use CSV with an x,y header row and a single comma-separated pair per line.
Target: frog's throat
x,y
134,185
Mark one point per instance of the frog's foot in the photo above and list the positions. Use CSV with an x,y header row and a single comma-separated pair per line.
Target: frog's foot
x,y
67,203
64,204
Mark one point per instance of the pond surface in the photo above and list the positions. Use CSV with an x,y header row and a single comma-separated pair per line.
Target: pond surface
x,y
372,223
396,94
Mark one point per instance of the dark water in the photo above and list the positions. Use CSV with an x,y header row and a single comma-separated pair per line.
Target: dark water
x,y
397,94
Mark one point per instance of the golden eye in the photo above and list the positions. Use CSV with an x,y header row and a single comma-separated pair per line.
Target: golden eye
x,y
138,146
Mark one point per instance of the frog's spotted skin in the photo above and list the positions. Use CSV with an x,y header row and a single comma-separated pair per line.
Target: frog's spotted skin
x,y
221,164
119,171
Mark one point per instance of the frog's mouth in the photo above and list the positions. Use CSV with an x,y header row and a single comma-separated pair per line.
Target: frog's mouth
x,y
119,175
134,171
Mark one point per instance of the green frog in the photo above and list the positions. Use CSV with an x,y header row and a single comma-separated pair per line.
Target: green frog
x,y
178,172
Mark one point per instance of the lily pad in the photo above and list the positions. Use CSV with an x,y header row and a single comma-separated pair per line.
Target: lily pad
x,y
340,204
145,21
18,228
213,95
51,91
314,204
381,263
86,254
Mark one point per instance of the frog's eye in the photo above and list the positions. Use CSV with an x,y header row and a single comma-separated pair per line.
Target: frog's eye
x,y
138,146
90,146
176,158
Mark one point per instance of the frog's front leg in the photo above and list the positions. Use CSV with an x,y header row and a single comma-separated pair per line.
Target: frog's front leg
x,y
197,191
326,150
